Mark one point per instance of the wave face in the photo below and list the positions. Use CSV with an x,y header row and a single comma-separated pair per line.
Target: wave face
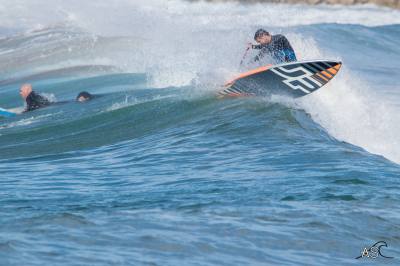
x,y
156,169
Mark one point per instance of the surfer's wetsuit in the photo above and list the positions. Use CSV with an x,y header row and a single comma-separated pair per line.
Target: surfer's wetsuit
x,y
279,49
35,101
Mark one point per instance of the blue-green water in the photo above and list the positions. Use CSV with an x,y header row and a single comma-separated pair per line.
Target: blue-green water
x,y
157,171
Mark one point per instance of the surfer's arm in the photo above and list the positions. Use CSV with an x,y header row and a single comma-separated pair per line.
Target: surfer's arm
x,y
253,46
35,101
257,58
17,110
263,52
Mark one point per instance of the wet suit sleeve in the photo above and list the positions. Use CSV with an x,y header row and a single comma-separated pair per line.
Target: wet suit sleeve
x,y
35,101
261,54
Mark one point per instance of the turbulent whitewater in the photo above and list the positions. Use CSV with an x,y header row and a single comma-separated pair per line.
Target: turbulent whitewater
x,y
158,170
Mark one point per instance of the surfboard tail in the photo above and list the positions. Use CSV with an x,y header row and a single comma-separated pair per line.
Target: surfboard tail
x,y
6,113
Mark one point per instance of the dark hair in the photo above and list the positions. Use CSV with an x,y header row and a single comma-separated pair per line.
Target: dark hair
x,y
260,33
85,95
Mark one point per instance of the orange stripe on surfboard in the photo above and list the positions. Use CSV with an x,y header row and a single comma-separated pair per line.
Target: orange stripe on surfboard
x,y
249,73
322,76
331,71
334,70
326,74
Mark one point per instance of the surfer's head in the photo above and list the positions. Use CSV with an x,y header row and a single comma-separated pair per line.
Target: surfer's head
x,y
25,90
262,36
84,96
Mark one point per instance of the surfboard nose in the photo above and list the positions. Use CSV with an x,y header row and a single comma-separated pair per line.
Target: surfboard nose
x,y
337,66
334,63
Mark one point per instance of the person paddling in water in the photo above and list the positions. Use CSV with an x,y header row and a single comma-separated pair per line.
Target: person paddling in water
x,y
84,96
33,100
275,46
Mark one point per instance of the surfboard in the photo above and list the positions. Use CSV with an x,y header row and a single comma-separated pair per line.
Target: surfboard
x,y
295,79
6,113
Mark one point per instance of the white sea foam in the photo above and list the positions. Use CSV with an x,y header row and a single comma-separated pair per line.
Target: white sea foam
x,y
128,101
138,16
26,121
351,111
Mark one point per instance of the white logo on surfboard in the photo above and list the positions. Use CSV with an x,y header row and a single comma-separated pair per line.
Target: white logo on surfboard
x,y
299,82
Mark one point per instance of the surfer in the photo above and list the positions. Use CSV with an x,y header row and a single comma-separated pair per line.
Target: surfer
x,y
33,100
275,46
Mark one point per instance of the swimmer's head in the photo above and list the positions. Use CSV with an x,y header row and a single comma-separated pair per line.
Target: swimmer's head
x,y
84,96
25,90
262,37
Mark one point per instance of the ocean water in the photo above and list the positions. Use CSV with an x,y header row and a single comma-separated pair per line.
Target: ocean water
x,y
157,171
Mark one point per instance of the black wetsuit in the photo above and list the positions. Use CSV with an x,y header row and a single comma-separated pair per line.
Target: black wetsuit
x,y
35,101
279,49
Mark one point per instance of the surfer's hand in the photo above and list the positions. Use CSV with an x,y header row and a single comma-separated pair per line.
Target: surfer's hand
x,y
249,46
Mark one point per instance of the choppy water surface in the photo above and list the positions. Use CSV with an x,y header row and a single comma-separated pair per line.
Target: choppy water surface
x,y
156,170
